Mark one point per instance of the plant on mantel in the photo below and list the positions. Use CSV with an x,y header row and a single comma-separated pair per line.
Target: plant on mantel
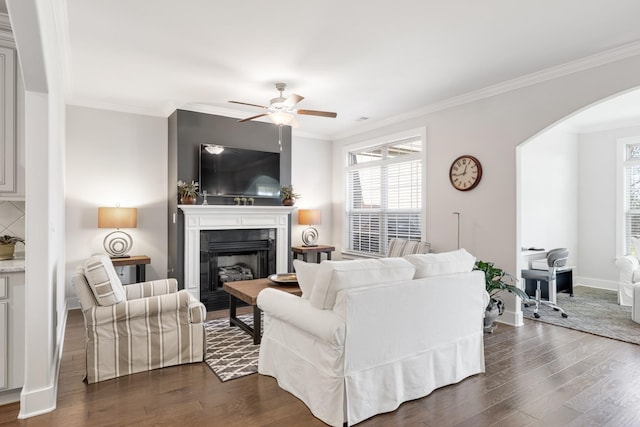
x,y
188,192
288,195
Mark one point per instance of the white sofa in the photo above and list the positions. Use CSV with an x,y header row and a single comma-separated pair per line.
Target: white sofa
x,y
367,335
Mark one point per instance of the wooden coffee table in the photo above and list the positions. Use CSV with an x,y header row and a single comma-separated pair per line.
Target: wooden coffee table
x,y
247,291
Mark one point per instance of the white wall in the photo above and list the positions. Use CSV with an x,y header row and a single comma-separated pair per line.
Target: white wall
x,y
311,178
44,136
597,206
549,192
121,158
491,129
115,158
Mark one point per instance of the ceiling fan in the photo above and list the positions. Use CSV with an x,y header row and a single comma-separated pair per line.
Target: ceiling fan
x,y
281,110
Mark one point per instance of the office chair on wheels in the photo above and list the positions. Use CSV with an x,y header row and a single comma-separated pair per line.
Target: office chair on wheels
x,y
555,258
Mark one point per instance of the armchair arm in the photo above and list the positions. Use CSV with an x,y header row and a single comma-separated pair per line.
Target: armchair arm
x,y
322,324
151,288
141,308
628,263
197,310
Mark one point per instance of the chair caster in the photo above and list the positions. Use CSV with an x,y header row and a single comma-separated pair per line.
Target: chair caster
x,y
536,315
565,315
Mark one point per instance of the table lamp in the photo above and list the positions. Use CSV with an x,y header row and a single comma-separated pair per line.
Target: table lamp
x,y
117,243
309,217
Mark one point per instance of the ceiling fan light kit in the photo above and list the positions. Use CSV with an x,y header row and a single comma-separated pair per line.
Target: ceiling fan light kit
x,y
281,110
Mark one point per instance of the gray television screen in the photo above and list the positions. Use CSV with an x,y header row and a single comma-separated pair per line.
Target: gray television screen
x,y
239,172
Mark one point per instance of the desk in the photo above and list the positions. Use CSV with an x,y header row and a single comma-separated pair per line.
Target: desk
x,y
564,283
139,261
318,250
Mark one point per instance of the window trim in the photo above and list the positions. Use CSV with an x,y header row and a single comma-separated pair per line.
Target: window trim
x,y
373,142
621,163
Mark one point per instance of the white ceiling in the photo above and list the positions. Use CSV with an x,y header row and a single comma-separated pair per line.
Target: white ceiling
x,y
359,58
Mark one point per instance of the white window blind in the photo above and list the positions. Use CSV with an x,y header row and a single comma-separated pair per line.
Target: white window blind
x,y
631,195
384,195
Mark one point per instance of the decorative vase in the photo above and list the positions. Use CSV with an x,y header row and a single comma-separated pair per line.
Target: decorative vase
x,y
6,250
490,316
287,202
186,200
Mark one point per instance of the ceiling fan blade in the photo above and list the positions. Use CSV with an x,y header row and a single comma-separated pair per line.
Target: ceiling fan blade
x,y
317,113
292,100
246,103
253,117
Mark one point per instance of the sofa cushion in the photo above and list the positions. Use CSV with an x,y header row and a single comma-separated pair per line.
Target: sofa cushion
x,y
306,273
401,247
428,265
103,280
333,276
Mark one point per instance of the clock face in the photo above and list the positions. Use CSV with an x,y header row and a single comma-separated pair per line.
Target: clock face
x,y
465,173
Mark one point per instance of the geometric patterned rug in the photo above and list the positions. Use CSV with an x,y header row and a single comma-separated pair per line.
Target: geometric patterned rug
x,y
591,310
230,350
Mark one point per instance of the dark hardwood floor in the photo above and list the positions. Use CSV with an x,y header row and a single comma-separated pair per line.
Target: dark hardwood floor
x,y
537,375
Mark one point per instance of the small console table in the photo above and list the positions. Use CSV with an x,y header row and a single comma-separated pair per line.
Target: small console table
x,y
140,261
318,250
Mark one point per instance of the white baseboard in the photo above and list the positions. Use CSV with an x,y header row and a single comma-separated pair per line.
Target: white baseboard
x,y
73,303
43,400
511,318
596,283
10,396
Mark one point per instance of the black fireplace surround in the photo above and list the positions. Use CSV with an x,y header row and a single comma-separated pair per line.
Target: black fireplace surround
x,y
260,243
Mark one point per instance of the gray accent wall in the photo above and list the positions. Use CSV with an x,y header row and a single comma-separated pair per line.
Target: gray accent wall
x,y
189,129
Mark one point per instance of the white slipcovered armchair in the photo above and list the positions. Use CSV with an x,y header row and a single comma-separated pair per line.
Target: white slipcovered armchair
x,y
137,327
629,267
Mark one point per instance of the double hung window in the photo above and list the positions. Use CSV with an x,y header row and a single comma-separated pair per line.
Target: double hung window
x,y
631,193
384,195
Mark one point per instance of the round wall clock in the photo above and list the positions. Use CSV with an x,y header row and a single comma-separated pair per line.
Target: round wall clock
x,y
465,173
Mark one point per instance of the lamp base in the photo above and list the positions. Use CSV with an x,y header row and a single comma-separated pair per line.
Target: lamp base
x,y
119,256
309,237
117,244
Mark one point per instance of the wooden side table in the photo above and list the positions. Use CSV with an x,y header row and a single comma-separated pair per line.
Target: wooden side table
x,y
318,250
140,261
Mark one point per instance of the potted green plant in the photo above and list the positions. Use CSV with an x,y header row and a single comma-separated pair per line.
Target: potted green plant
x,y
8,246
188,192
288,195
496,281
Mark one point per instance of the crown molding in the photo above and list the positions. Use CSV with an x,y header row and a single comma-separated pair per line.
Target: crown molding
x,y
122,108
582,64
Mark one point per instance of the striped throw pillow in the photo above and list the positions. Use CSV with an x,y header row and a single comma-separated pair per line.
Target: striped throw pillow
x,y
103,280
401,247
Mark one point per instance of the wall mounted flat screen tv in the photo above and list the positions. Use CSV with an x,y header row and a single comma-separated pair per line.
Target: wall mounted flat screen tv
x,y
239,172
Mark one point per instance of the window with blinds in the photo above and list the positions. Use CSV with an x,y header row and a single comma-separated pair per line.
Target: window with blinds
x,y
631,195
384,195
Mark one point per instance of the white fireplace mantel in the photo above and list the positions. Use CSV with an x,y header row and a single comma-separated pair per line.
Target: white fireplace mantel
x,y
225,217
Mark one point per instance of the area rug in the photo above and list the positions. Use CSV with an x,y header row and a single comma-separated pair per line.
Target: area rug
x,y
591,310
230,350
